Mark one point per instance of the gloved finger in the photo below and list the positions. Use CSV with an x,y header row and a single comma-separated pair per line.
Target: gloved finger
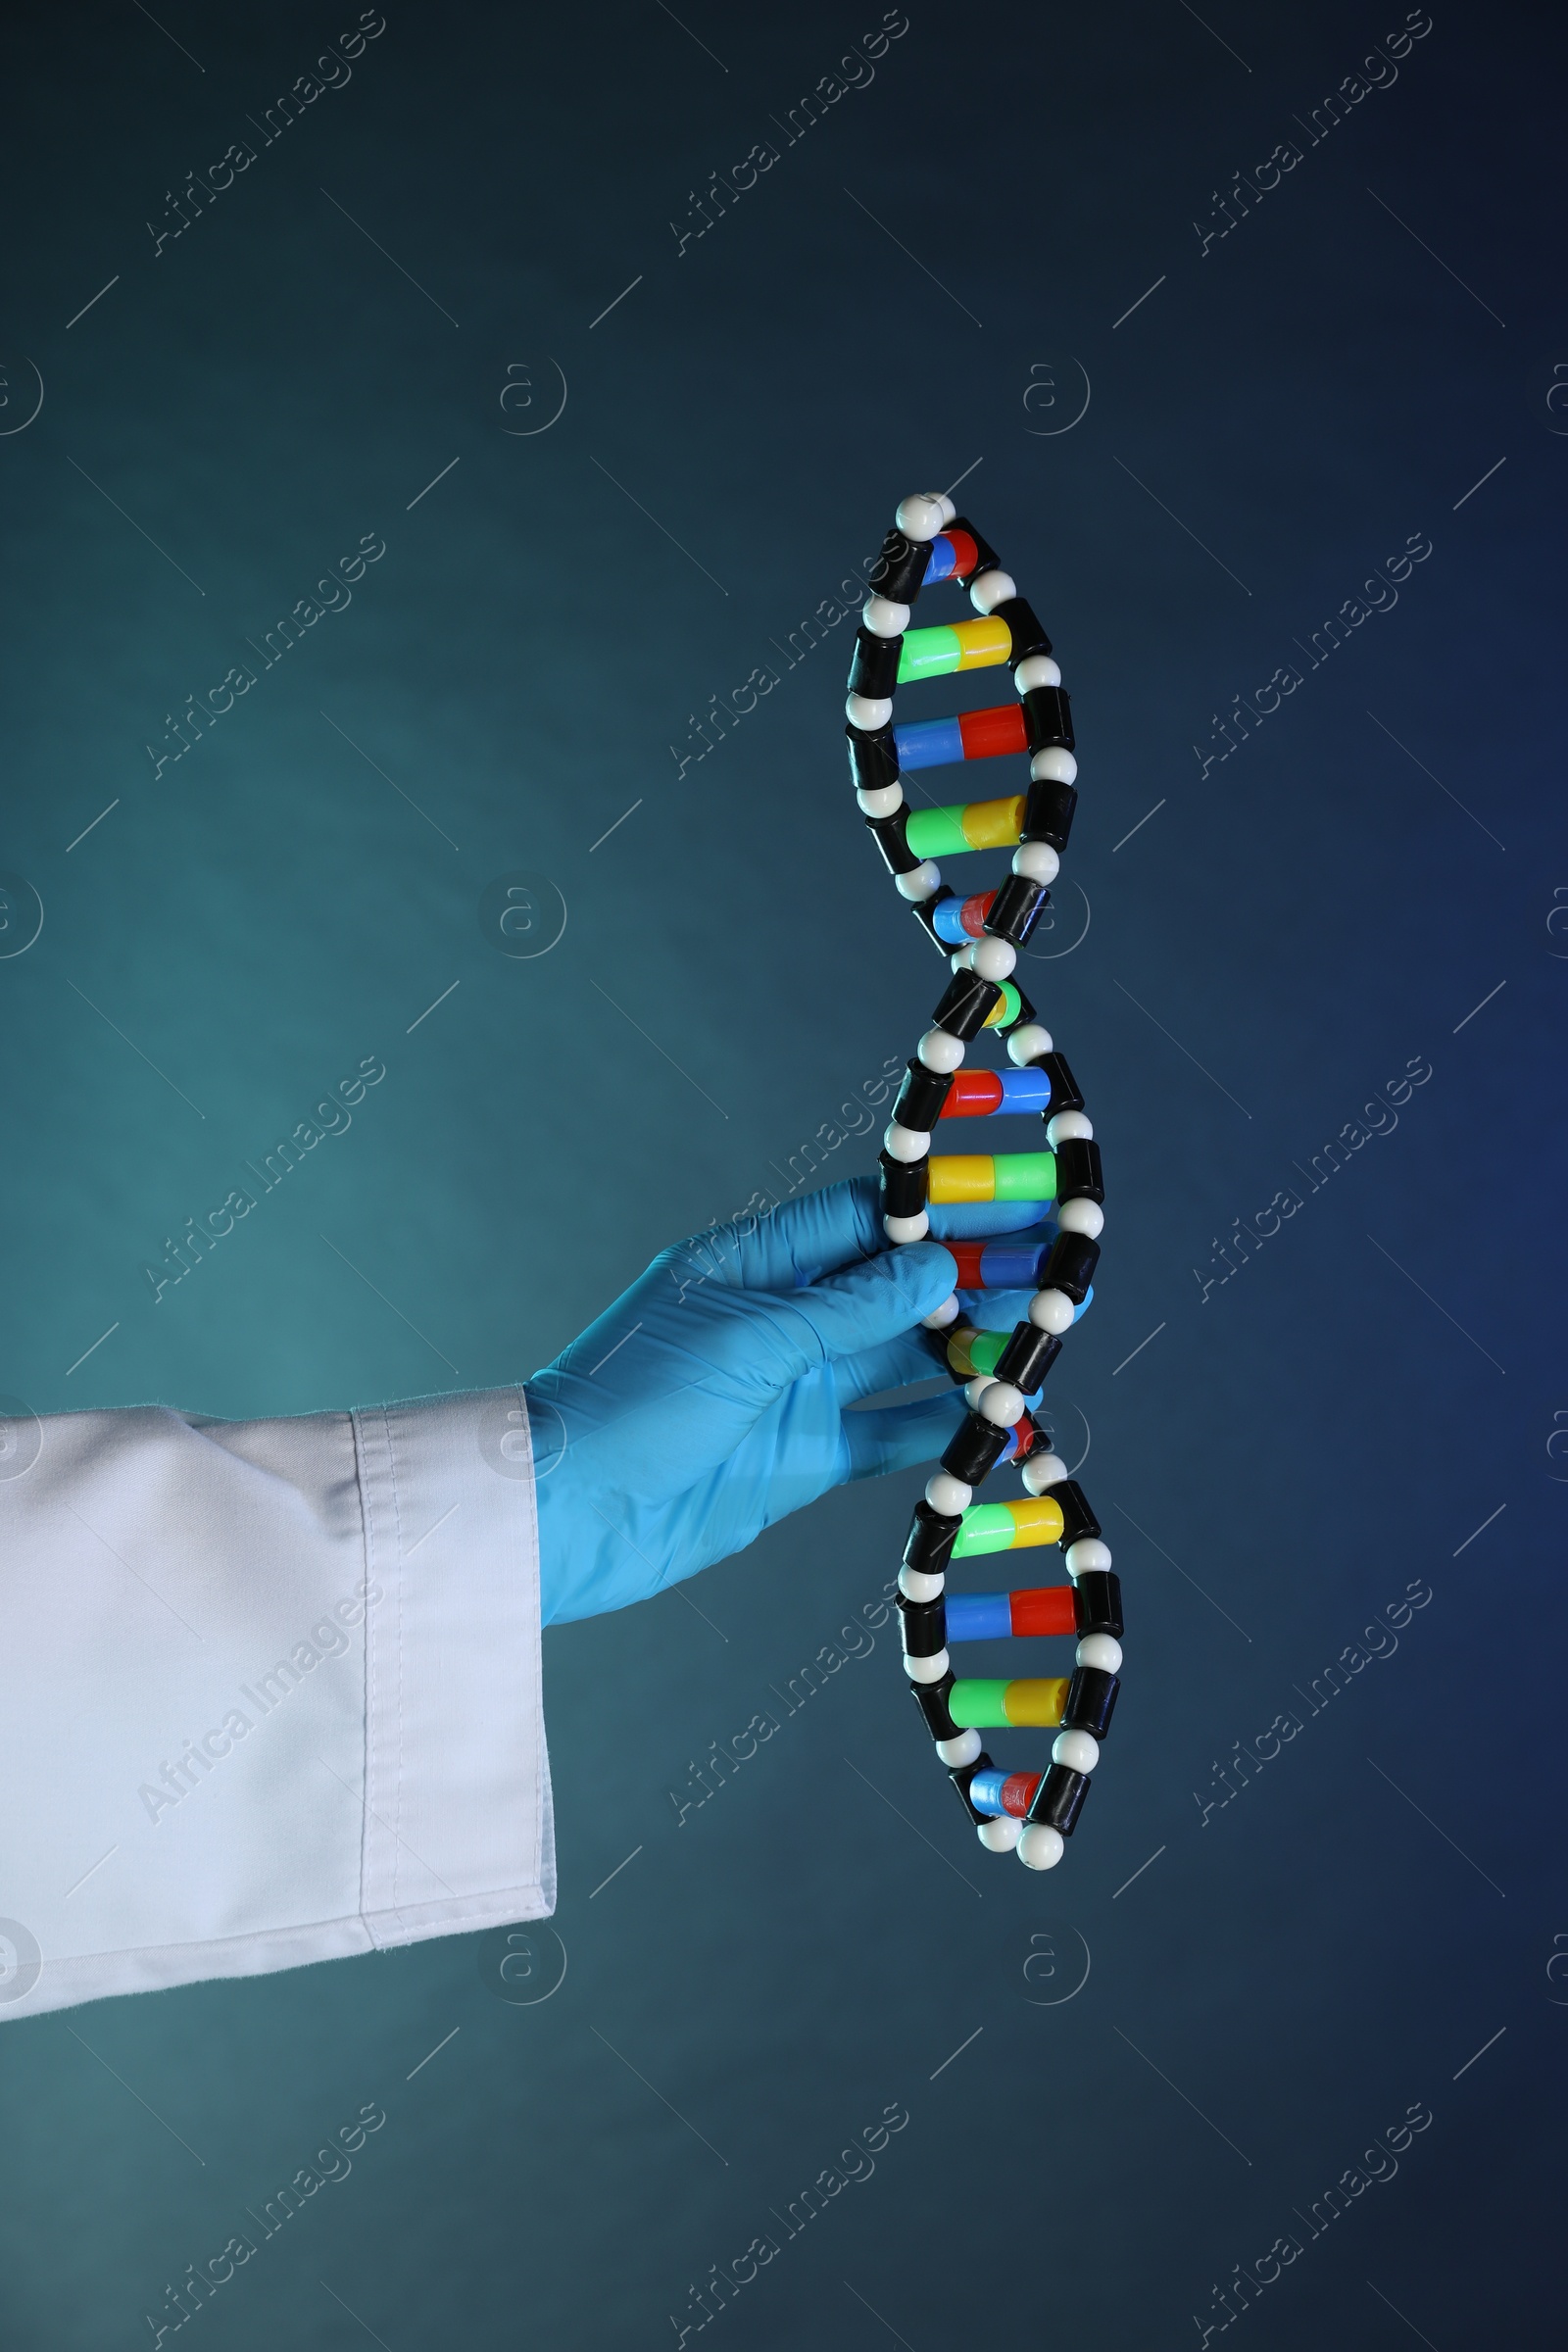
x,y
916,1355
994,1311
974,1221
789,1244
822,1232
899,1436
759,1343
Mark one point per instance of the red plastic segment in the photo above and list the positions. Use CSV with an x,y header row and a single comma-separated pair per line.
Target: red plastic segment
x,y
966,554
973,1095
1044,1610
987,734
1018,1793
973,911
1022,1436
967,1255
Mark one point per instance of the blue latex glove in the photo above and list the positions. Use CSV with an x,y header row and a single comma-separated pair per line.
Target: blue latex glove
x,y
709,1401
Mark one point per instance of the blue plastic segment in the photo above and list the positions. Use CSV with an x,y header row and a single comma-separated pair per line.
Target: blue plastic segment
x,y
1012,1265
948,923
985,1791
1023,1089
928,743
942,561
978,1616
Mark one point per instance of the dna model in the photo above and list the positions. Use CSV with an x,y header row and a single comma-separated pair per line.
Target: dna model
x,y
1031,1813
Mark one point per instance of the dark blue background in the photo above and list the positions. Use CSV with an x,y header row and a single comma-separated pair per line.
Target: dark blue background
x,y
1276,1466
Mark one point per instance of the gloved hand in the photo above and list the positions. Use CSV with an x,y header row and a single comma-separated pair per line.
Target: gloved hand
x,y
709,1401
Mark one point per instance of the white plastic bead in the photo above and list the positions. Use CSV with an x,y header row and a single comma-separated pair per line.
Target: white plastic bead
x,y
1027,1043
920,516
883,617
992,959
926,1669
1041,1847
1078,1750
999,1836
1065,1125
905,1143
1035,861
1044,1471
1036,669
1081,1216
939,1052
921,882
899,1230
881,801
974,1390
963,1750
1001,1404
946,1313
1054,763
949,509
1102,1651
947,1494
1087,1553
1053,1311
963,959
915,1583
861,711
989,589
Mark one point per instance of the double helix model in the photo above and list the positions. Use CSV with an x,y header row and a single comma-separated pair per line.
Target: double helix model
x,y
1030,1812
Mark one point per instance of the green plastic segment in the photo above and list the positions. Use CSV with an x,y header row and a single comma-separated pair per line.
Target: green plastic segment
x,y
976,1703
929,654
983,1350
986,1526
1010,1007
1025,1176
935,832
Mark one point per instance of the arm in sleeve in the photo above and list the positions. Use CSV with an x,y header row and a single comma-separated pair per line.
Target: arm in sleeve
x,y
271,1691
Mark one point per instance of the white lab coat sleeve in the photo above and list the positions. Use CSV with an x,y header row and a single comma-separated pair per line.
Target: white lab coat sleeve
x,y
269,1691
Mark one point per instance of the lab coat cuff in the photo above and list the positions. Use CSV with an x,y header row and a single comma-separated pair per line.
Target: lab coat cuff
x,y
458,1822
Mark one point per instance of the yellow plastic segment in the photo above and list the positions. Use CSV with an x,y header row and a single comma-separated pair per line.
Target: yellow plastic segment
x,y
962,1176
982,644
1038,1519
994,824
1038,1703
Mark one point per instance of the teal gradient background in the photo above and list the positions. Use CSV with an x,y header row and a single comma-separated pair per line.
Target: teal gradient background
x,y
920,289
